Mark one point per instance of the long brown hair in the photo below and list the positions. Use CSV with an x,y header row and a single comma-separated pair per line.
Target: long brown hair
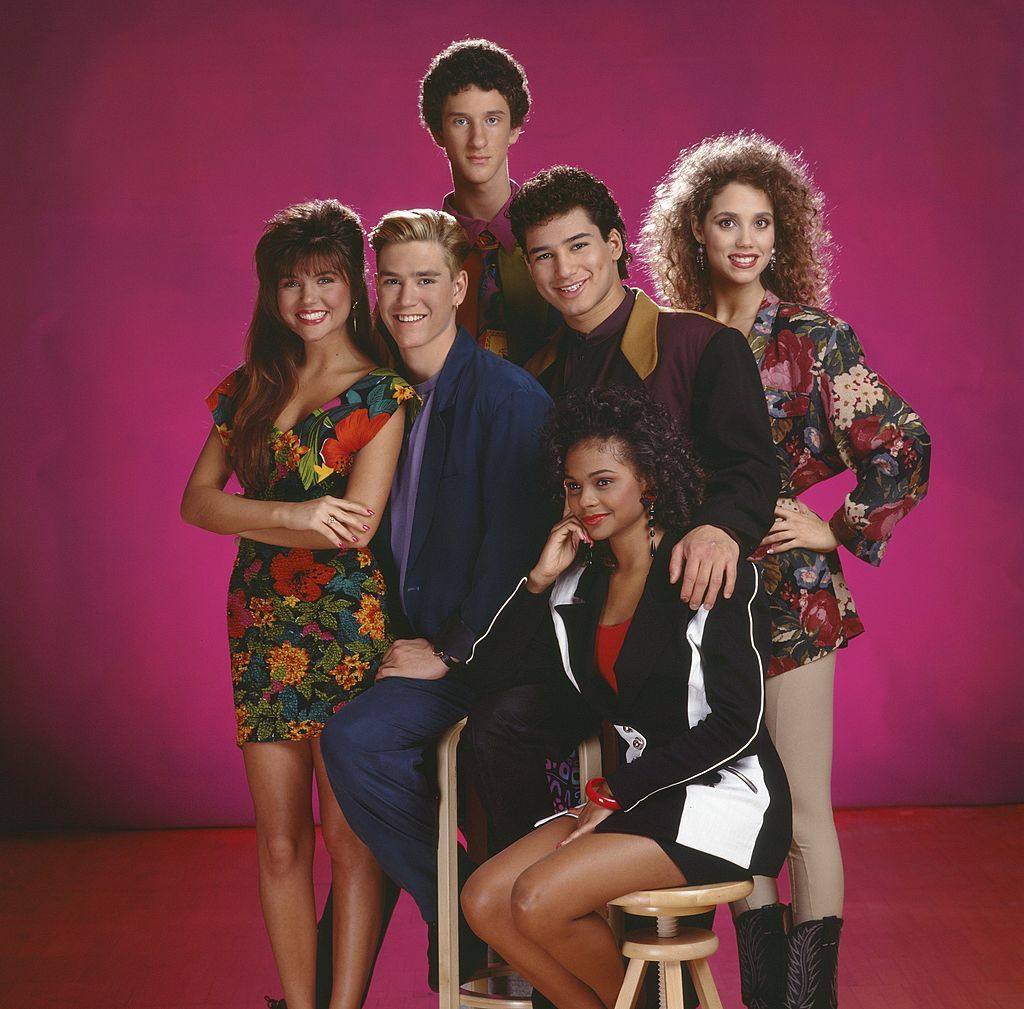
x,y
316,236
803,254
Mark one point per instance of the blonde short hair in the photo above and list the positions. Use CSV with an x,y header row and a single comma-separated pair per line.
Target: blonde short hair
x,y
423,226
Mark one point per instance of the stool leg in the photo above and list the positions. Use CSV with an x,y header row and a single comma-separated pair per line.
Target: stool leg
x,y
631,985
705,985
673,984
448,871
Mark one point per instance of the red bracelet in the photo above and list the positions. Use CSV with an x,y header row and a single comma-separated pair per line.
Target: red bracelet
x,y
604,801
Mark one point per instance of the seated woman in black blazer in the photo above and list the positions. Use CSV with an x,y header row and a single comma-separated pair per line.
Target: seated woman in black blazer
x,y
701,795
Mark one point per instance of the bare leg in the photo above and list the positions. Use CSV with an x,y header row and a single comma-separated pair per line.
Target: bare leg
x,y
537,906
357,885
280,780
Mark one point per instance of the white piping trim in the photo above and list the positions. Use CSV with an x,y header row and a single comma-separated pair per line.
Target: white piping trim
x,y
494,620
760,714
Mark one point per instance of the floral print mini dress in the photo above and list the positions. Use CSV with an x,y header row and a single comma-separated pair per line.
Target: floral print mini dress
x,y
307,628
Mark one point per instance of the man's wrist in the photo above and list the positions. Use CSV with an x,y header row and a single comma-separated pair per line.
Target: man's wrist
x,y
724,529
448,659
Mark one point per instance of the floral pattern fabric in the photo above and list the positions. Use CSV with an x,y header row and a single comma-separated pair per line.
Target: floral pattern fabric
x,y
307,628
829,412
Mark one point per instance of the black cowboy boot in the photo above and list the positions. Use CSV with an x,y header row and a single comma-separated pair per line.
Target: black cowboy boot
x,y
813,970
761,942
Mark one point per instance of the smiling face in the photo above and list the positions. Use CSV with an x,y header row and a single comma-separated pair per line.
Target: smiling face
x,y
315,303
603,491
476,133
575,269
738,232
417,297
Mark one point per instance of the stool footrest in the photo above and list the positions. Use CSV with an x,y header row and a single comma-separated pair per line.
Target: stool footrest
x,y
689,944
474,992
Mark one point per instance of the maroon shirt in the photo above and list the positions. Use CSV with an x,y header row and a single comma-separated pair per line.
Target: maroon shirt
x,y
704,374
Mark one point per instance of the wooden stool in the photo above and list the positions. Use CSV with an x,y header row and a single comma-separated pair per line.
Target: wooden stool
x,y
671,944
476,992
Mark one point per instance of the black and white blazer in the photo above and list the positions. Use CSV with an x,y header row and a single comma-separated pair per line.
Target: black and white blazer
x,y
699,764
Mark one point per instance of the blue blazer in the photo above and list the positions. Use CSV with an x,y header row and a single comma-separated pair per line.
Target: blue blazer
x,y
481,512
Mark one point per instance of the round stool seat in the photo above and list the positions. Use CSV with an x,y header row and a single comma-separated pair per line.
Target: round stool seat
x,y
688,944
683,900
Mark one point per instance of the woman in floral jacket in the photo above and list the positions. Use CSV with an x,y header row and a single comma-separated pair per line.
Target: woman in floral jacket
x,y
736,229
312,426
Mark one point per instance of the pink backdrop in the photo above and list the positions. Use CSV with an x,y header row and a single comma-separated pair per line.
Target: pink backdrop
x,y
146,145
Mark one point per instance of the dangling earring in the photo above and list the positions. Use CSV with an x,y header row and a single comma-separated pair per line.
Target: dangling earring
x,y
648,501
700,257
771,262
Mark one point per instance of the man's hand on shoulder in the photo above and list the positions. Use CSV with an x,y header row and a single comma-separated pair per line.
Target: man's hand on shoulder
x,y
413,658
706,558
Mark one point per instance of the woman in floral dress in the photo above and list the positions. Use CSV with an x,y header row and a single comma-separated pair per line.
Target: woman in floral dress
x,y
736,229
311,425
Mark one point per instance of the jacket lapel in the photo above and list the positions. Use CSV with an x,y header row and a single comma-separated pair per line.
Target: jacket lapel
x,y
435,448
579,619
651,638
640,340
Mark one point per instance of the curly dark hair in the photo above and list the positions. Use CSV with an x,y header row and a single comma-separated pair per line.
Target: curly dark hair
x,y
473,63
803,255
560,190
652,444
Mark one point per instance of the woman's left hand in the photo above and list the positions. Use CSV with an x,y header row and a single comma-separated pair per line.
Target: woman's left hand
x,y
796,526
588,818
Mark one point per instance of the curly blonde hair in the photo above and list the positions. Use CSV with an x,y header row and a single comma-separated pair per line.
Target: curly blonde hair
x,y
803,255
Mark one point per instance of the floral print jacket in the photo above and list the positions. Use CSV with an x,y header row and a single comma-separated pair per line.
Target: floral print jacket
x,y
830,412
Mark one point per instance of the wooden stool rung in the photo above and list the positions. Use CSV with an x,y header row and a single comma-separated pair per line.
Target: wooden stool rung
x,y
689,944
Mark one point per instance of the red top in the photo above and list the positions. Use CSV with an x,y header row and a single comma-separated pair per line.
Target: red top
x,y
609,644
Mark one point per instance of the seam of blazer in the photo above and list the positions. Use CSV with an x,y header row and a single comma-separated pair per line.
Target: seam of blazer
x,y
494,619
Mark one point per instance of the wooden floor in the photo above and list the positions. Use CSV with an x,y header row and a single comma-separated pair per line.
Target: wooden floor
x,y
169,919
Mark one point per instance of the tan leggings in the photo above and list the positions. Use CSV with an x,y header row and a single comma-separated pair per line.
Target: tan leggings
x,y
798,714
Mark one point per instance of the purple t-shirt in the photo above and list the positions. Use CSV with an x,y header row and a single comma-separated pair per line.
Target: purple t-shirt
x,y
407,479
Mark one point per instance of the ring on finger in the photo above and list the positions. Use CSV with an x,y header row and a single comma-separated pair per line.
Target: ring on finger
x,y
330,520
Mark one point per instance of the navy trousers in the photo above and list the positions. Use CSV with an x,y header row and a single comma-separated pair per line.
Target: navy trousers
x,y
379,755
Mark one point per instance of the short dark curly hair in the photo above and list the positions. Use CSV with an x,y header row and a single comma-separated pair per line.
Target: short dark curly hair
x,y
560,190
473,63
653,445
